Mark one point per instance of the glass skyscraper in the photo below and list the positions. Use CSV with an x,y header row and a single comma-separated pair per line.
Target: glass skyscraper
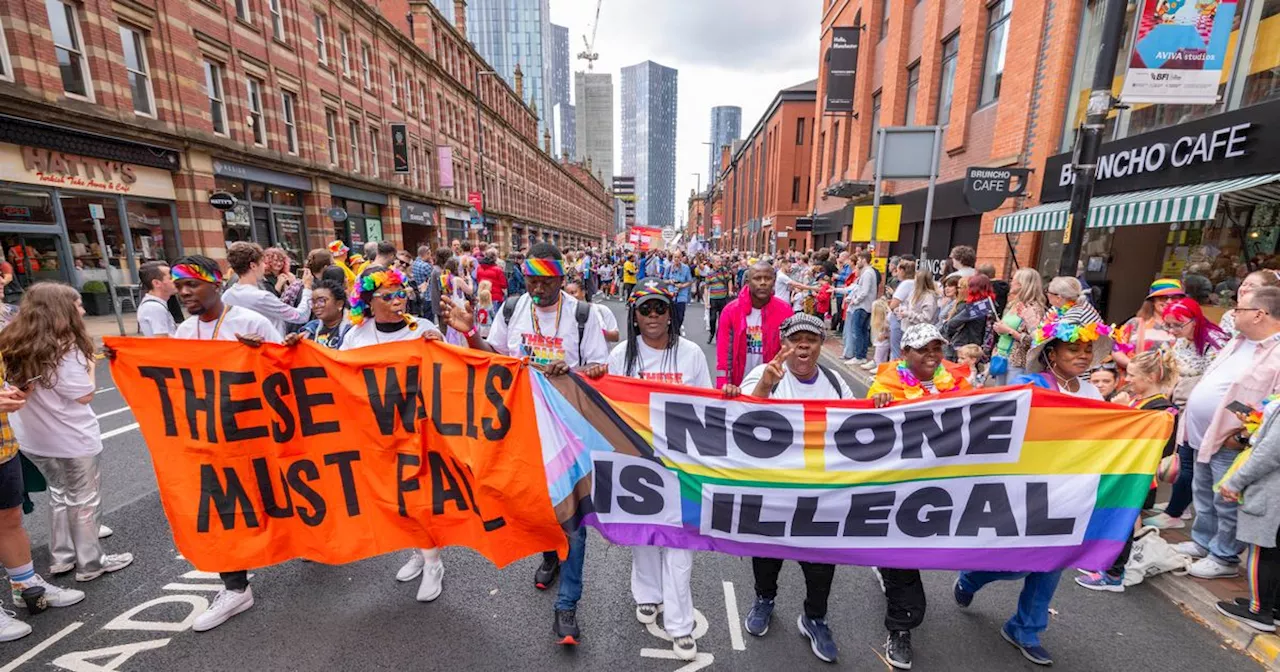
x,y
649,94
511,32
726,126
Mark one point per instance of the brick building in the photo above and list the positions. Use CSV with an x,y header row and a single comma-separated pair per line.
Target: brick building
x,y
956,64
765,181
146,107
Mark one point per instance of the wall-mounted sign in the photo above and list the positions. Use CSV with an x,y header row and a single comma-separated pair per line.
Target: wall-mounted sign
x,y
337,214
842,66
417,213
222,200
1179,52
36,165
476,199
444,154
400,149
986,188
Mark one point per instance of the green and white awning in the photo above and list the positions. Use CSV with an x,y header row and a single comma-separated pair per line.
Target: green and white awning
x,y
1186,203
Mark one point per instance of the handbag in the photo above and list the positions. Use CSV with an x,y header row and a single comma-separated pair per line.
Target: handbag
x,y
1170,467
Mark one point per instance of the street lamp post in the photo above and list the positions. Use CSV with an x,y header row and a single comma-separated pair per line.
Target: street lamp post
x,y
480,147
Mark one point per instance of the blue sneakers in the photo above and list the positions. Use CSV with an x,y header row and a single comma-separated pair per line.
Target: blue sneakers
x,y
963,597
819,635
1032,652
758,618
1101,581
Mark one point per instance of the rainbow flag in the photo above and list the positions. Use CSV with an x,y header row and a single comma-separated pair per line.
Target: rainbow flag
x,y
1015,479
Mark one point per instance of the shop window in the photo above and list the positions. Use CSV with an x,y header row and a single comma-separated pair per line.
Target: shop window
x,y
253,89
6,66
947,82
331,135
84,240
217,103
322,39
138,69
1262,82
284,196
277,19
68,43
26,206
242,11
151,230
997,41
289,114
913,93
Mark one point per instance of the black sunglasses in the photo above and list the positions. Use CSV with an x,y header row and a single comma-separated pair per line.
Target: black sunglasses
x,y
652,308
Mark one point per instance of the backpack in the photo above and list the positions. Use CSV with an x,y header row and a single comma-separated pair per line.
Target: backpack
x,y
831,378
582,313
1152,555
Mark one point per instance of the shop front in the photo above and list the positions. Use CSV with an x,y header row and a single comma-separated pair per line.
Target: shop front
x,y
955,223
418,225
54,182
365,210
268,209
1198,201
456,222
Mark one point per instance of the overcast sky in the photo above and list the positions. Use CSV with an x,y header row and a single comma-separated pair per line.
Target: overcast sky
x,y
728,52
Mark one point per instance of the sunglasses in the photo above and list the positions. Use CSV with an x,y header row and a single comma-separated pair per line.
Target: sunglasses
x,y
652,308
392,296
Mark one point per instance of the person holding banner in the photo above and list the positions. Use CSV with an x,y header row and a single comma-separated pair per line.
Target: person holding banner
x,y
922,371
556,332
328,302
794,373
1062,351
655,351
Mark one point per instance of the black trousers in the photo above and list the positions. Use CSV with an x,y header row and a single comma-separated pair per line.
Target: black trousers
x,y
1117,568
626,290
677,315
837,316
817,583
717,307
236,581
904,598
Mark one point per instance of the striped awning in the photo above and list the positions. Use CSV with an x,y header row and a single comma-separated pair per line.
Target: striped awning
x,y
1186,203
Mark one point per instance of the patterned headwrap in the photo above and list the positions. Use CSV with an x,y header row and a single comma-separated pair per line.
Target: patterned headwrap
x,y
195,272
543,267
366,286
338,247
652,290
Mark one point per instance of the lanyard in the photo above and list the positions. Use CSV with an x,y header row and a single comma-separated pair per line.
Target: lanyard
x,y
533,313
217,327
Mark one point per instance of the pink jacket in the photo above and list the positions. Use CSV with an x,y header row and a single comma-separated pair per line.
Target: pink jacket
x,y
1261,381
731,335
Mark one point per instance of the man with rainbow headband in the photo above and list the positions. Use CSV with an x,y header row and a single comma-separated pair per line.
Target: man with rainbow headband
x,y
921,372
555,332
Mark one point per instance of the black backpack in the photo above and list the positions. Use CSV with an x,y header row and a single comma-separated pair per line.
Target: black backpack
x,y
831,378
582,313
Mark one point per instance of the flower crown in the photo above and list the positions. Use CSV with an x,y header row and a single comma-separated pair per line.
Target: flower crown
x,y
367,284
1072,332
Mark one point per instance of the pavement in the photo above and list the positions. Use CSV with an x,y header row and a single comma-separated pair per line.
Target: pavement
x,y
311,616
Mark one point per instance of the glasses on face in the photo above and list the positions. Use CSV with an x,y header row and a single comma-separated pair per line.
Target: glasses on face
x,y
1250,310
1176,326
652,308
398,295
319,301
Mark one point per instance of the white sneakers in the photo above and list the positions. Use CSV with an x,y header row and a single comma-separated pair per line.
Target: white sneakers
x,y
1190,548
411,569
432,578
228,603
53,595
685,648
11,628
1164,521
647,613
110,563
1212,568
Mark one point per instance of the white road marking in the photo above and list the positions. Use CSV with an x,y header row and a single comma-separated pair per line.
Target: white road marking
x,y
116,432
39,648
111,413
197,574
731,611
100,391
700,661
206,587
700,627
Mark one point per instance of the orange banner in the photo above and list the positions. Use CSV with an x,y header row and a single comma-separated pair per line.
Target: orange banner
x,y
268,454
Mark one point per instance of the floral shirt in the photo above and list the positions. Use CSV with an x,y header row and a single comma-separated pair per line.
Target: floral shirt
x,y
1190,362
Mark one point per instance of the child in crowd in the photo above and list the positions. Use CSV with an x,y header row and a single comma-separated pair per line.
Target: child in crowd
x,y
484,307
971,356
822,300
880,329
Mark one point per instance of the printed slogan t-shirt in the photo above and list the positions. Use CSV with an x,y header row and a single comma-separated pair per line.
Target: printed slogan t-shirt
x,y
755,340
684,365
548,342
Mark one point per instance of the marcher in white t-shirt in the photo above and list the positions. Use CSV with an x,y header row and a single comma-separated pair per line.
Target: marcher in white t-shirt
x,y
48,354
655,351
154,318
608,321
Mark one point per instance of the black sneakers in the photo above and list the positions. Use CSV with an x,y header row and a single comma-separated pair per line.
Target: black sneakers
x,y
897,649
547,572
566,627
1240,612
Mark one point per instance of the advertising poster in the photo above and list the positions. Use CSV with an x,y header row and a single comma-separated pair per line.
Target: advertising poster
x,y
1179,52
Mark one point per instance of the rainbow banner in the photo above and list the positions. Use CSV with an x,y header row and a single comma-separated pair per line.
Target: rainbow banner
x,y
1015,479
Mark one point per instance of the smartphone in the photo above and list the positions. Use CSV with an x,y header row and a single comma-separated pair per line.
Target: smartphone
x,y
1239,407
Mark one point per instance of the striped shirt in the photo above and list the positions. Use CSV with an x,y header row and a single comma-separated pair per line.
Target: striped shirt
x,y
718,284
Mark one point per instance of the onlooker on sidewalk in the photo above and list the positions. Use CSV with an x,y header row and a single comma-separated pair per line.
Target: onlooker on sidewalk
x,y
154,318
491,271
858,302
1246,371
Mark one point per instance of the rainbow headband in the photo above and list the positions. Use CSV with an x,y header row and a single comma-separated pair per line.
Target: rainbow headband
x,y
543,267
194,272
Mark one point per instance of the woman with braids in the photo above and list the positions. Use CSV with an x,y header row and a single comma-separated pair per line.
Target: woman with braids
x,y
655,351
48,354
328,304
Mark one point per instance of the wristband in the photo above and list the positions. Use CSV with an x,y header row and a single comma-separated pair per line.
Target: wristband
x,y
471,334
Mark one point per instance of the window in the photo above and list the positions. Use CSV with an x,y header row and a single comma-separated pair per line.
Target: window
x,y
135,64
6,68
217,104
353,132
288,112
366,72
822,146
322,39
408,95
344,46
947,84
373,151
997,38
242,10
277,19
422,99
795,190
875,123
884,18
331,135
800,131
394,75
69,47
835,142
253,87
1263,80
913,92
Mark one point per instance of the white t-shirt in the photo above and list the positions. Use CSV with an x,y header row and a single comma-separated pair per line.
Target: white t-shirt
x,y
1086,391
542,341
683,365
269,305
1208,394
234,321
53,423
755,339
902,293
367,333
791,387
154,318
608,321
782,286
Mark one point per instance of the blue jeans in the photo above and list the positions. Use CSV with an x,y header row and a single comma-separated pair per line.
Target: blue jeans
x,y
895,337
1032,616
857,335
571,572
1215,525
1180,495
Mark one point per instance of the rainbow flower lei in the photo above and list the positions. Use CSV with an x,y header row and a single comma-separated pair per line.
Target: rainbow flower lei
x,y
943,381
368,284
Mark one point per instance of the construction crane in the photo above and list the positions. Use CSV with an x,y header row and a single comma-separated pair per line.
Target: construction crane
x,y
590,55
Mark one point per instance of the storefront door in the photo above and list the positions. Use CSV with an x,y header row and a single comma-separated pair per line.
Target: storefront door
x,y
34,257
